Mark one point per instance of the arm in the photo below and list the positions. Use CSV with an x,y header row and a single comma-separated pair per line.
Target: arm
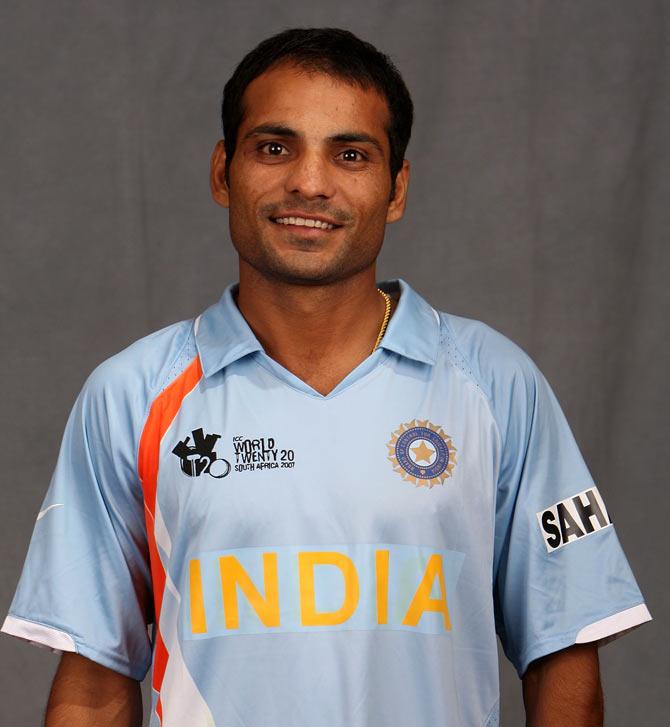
x,y
564,689
86,694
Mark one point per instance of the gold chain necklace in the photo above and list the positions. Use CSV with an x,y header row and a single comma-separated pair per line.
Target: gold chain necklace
x,y
385,322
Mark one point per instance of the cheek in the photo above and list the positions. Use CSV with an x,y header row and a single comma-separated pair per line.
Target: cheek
x,y
243,202
249,193
368,194
371,208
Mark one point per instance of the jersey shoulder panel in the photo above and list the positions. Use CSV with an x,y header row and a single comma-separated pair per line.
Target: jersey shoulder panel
x,y
130,380
498,366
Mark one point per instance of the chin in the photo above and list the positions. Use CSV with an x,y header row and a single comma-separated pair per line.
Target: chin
x,y
301,267
307,266
303,276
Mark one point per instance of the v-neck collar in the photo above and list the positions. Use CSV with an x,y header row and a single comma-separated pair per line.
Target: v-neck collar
x,y
223,336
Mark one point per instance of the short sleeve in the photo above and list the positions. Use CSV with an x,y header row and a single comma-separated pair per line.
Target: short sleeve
x,y
85,585
560,574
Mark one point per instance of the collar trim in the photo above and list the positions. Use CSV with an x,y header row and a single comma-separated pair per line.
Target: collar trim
x,y
223,336
414,329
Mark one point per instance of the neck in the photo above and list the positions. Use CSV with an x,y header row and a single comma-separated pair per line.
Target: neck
x,y
318,332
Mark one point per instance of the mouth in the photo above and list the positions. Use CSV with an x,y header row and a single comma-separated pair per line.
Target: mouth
x,y
305,222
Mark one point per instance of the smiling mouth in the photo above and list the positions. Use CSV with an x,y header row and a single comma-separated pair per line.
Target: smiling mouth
x,y
310,222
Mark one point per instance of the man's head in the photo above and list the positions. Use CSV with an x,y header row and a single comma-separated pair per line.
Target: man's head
x,y
333,52
316,123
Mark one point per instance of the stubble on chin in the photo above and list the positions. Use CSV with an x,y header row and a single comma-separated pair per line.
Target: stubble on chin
x,y
297,267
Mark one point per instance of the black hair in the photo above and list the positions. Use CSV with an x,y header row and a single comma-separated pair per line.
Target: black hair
x,y
335,52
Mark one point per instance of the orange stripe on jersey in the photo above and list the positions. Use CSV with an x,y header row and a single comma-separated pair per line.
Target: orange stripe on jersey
x,y
162,412
161,415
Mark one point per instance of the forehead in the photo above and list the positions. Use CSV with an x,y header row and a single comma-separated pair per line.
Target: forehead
x,y
313,104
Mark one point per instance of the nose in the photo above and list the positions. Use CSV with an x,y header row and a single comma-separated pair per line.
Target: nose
x,y
310,176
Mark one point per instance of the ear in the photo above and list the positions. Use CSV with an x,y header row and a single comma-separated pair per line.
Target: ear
x,y
217,175
396,208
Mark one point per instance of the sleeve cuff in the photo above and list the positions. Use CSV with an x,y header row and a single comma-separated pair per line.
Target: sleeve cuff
x,y
39,634
602,631
608,629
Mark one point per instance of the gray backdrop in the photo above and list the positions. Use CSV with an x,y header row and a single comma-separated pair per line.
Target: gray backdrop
x,y
538,203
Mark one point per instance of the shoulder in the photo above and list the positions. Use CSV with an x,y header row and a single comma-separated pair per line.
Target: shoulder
x,y
127,382
507,377
519,396
493,361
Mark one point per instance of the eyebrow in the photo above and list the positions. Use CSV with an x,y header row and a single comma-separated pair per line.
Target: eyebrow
x,y
287,132
273,130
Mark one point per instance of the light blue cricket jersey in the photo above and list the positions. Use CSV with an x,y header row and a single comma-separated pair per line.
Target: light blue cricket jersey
x,y
321,560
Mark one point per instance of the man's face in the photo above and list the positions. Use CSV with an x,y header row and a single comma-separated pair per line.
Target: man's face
x,y
309,181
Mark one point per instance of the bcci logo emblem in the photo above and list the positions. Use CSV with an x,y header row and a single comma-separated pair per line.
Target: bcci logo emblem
x,y
200,458
422,453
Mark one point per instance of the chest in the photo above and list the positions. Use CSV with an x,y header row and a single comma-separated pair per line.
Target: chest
x,y
249,461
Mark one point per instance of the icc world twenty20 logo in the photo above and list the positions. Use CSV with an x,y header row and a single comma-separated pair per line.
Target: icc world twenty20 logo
x,y
199,457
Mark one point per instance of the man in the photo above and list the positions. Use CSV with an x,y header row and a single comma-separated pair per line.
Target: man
x,y
325,495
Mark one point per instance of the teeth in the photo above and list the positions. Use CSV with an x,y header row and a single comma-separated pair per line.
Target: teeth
x,y
304,222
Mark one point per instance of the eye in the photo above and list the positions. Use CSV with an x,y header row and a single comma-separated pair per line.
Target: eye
x,y
352,155
273,148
